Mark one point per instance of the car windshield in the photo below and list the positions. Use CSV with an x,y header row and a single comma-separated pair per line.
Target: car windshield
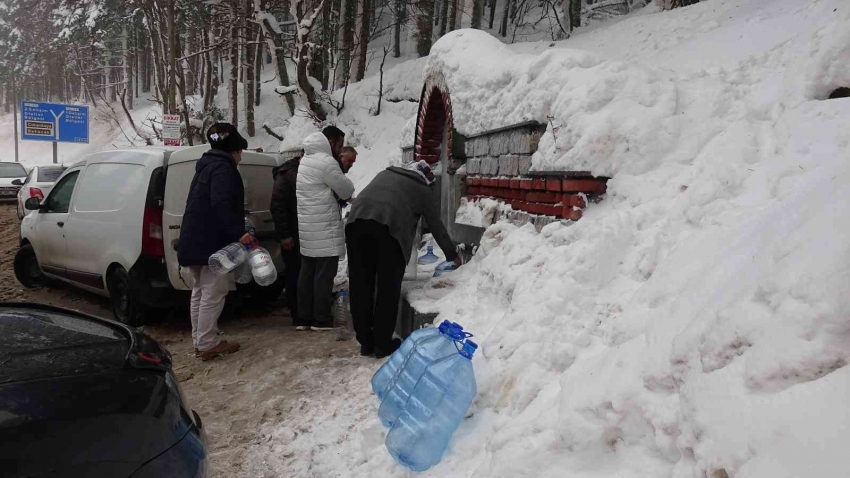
x,y
12,170
49,175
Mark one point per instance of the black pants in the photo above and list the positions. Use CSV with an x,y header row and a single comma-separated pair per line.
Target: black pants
x,y
374,260
315,290
292,260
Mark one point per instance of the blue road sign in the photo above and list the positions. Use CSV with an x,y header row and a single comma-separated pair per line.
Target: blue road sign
x,y
54,122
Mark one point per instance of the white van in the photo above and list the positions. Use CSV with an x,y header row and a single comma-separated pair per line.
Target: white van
x,y
112,222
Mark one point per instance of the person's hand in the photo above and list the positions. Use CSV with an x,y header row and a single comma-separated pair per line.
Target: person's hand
x,y
247,239
287,244
458,260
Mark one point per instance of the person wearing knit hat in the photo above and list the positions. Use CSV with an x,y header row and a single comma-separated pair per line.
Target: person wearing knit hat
x,y
214,218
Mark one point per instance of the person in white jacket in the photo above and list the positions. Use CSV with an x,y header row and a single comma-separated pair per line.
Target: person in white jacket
x,y
320,186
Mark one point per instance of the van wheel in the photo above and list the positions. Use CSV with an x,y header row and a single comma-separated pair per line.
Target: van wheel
x,y
27,270
125,304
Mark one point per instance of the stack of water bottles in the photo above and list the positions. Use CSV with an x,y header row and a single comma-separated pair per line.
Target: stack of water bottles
x,y
245,259
425,389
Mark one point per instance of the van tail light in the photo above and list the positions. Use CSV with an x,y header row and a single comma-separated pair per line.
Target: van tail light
x,y
37,193
152,244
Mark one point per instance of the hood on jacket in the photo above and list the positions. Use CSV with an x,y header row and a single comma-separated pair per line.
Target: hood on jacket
x,y
410,174
316,143
214,156
287,166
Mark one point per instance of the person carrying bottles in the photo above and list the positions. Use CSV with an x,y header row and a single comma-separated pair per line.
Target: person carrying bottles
x,y
320,186
214,218
379,238
285,214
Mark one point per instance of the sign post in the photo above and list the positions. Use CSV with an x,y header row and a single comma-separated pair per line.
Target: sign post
x,y
54,122
171,130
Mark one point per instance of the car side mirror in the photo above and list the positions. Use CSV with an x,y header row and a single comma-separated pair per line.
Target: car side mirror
x,y
17,182
32,204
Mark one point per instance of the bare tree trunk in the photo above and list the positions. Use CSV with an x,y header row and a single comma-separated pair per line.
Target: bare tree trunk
x,y
277,47
128,70
444,14
172,58
424,26
381,81
363,43
399,20
208,78
575,14
258,67
347,14
248,86
233,88
453,21
184,106
492,13
306,22
477,13
503,29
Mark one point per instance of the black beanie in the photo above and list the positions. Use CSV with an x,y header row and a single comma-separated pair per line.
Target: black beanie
x,y
224,137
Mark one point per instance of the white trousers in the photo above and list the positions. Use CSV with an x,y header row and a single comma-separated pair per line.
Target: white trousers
x,y
208,296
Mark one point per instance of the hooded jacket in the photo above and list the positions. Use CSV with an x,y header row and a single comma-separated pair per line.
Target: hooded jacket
x,y
320,227
283,205
215,209
398,198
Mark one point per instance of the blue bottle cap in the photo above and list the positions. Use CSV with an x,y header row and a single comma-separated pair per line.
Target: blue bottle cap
x,y
468,349
343,292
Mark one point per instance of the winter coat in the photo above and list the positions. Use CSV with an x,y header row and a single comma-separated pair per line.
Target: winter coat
x,y
320,227
398,198
215,209
283,205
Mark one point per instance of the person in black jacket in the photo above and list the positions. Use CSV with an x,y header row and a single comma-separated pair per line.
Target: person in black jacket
x,y
379,238
285,214
214,218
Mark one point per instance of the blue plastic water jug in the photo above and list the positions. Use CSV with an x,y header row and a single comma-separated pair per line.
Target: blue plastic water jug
x,y
446,266
384,376
429,257
424,354
422,432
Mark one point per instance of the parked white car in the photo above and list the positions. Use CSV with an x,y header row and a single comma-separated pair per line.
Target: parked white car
x,y
37,184
112,222
10,173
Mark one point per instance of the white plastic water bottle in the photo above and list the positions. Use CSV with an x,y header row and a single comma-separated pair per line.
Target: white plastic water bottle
x,y
228,258
262,267
243,273
342,317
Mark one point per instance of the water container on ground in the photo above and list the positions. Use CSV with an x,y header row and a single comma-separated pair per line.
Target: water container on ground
x,y
228,258
344,326
383,377
444,267
424,353
422,432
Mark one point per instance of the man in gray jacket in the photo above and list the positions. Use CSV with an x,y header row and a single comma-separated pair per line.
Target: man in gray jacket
x,y
319,186
379,237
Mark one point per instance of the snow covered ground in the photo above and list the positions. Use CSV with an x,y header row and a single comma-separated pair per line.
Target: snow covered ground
x,y
696,323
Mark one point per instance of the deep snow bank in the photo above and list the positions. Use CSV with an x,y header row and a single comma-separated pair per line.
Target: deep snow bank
x,y
696,323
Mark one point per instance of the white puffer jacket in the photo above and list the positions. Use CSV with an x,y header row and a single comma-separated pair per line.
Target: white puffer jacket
x,y
320,225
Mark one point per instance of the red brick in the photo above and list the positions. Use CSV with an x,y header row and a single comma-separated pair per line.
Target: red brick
x,y
514,183
519,205
551,198
473,191
525,184
535,208
538,184
504,183
573,200
553,210
571,214
553,185
476,181
596,186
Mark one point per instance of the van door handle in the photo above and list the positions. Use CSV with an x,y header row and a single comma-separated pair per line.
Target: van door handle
x,y
60,224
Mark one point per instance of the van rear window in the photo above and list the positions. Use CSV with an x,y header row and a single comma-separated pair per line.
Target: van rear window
x,y
49,175
107,186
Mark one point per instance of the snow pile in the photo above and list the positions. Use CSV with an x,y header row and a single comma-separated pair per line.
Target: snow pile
x,y
696,322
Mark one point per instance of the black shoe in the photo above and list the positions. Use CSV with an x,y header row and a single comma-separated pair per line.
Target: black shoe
x,y
367,350
394,345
